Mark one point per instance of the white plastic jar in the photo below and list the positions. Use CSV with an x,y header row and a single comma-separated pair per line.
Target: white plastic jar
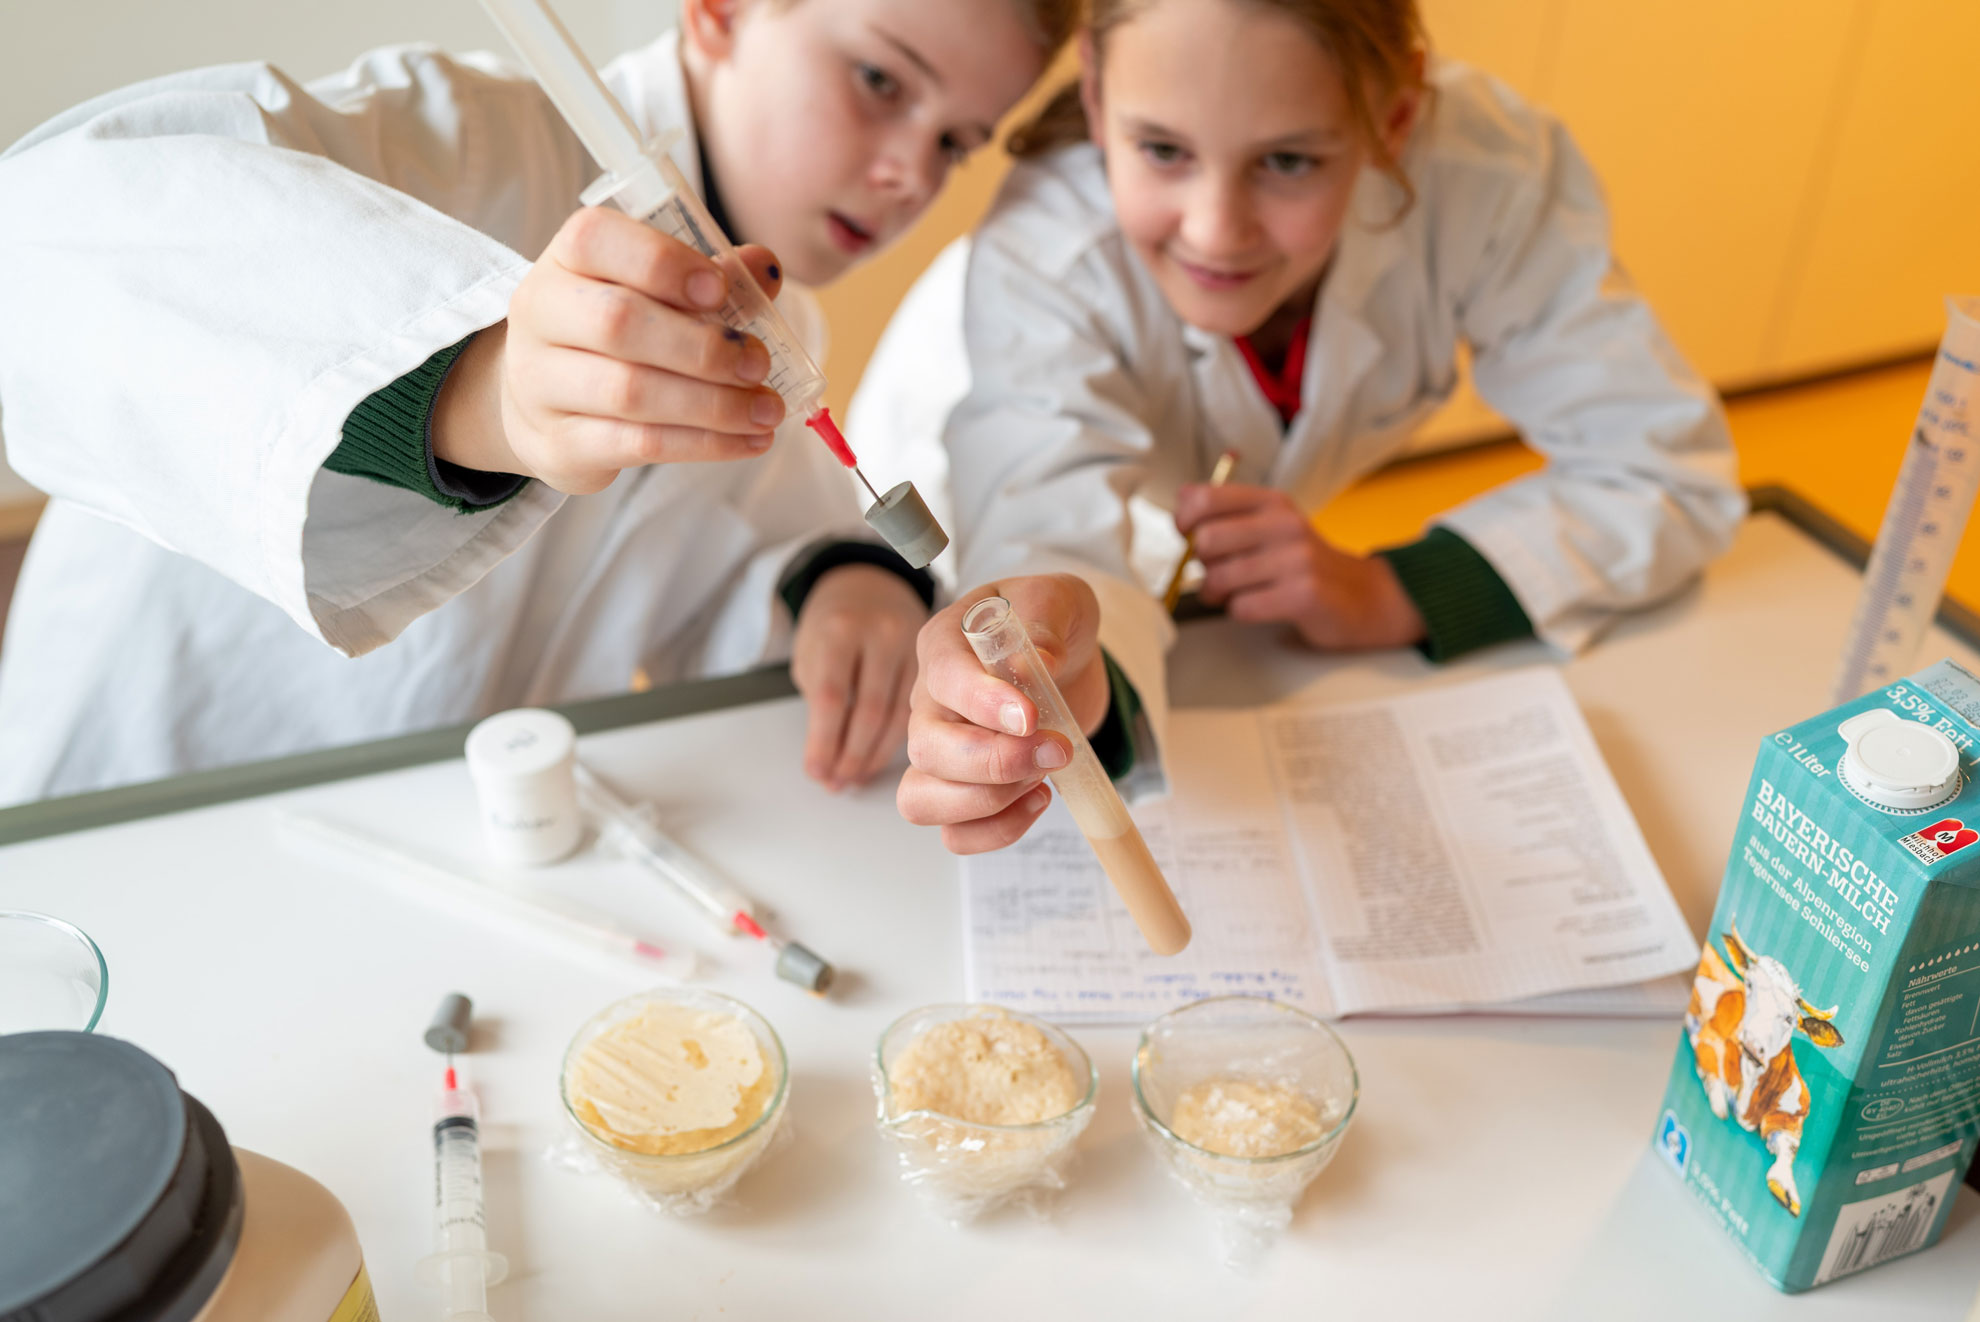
x,y
142,1209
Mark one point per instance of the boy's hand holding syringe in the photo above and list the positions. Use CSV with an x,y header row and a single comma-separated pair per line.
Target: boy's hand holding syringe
x,y
608,361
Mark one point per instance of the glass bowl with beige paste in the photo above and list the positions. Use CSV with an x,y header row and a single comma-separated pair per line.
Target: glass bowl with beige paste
x,y
677,1091
981,1103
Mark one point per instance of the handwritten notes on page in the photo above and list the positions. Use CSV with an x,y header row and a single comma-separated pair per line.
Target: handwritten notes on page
x,y
1455,848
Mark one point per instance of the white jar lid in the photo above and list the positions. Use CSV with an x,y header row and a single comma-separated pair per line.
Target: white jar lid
x,y
1898,763
520,745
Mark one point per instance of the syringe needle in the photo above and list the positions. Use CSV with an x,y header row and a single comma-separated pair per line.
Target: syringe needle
x,y
868,485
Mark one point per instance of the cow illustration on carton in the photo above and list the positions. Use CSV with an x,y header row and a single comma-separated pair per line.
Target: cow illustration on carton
x,y
1741,1024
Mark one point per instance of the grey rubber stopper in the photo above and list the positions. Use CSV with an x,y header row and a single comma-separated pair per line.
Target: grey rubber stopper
x,y
902,517
796,964
449,1030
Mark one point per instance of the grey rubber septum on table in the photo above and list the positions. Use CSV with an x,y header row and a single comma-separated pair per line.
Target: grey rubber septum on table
x,y
449,1030
902,517
796,964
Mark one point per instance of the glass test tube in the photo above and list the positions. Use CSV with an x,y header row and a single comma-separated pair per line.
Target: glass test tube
x,y
999,639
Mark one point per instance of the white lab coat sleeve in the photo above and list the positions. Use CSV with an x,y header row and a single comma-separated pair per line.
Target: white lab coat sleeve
x,y
203,275
1049,445
1641,488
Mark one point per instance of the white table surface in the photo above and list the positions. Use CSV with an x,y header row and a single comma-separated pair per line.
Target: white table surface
x,y
1497,1167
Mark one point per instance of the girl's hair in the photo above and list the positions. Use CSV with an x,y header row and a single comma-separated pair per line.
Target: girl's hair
x,y
1374,44
1051,23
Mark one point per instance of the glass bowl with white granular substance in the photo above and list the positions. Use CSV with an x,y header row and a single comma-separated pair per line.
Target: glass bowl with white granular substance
x,y
1245,1100
981,1105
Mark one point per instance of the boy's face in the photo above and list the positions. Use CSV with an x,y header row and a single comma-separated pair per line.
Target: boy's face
x,y
1232,154
831,124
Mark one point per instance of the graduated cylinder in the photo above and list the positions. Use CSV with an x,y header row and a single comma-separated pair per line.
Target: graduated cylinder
x,y
998,637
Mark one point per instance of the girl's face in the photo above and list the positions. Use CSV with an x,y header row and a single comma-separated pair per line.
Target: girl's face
x,y
1232,153
831,124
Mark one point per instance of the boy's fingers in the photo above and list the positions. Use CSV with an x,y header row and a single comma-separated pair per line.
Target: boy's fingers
x,y
827,692
597,316
609,245
604,387
869,718
612,444
891,739
763,264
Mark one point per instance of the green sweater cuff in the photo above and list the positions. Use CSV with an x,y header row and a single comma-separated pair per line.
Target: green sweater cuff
x,y
1464,602
388,438
1113,742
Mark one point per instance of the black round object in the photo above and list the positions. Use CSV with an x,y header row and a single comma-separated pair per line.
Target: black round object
x,y
125,1200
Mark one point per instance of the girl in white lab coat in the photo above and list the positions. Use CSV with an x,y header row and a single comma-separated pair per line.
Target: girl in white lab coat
x,y
1267,226
281,357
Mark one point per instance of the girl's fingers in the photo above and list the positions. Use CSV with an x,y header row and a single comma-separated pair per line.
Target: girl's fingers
x,y
1234,534
1005,828
1241,573
955,678
928,800
971,755
1198,501
1279,602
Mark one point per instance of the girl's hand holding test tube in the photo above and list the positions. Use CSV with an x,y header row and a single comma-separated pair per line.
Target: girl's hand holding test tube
x,y
977,756
608,361
1264,562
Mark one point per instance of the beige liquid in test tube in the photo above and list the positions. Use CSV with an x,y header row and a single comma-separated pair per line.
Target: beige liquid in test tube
x,y
997,635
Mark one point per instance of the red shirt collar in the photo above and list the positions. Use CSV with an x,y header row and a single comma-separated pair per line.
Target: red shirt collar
x,y
1281,389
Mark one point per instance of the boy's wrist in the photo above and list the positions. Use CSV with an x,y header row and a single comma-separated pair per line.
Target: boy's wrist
x,y
467,426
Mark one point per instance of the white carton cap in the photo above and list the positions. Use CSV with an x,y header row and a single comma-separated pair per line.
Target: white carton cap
x,y
1897,763
522,763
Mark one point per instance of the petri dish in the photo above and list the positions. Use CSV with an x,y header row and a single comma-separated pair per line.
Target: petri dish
x,y
52,976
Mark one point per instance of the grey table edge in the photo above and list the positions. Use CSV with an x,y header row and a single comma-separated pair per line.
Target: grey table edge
x,y
81,812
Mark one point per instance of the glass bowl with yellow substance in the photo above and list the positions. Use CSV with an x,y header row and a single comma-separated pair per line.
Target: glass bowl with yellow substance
x,y
1245,1100
981,1104
676,1091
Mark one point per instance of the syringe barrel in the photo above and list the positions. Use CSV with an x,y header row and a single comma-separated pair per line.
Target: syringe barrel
x,y
1000,642
656,193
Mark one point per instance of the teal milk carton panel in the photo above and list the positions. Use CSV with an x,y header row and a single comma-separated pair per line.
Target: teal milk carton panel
x,y
1825,1099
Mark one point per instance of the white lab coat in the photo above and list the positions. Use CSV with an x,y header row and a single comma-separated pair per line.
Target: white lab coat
x,y
200,277
1084,402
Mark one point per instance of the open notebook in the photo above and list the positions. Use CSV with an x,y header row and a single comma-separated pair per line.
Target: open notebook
x,y
1462,848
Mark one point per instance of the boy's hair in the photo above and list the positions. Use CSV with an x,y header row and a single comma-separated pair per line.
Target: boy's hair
x,y
1374,44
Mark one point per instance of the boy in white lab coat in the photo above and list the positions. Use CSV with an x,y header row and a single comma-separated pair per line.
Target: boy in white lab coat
x,y
1260,225
281,357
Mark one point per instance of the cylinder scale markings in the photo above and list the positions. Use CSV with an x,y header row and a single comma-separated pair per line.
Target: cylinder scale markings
x,y
1924,520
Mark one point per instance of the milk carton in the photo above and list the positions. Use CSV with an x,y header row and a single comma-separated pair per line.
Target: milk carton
x,y
1825,1099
